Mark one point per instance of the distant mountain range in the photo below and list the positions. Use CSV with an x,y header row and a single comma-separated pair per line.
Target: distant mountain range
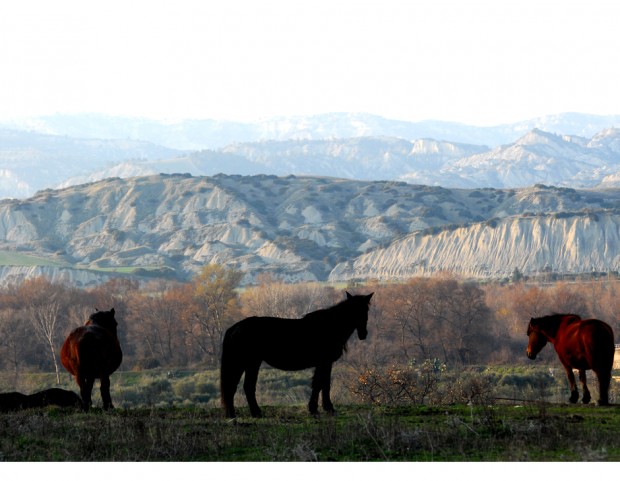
x,y
338,198
215,134
575,150
305,229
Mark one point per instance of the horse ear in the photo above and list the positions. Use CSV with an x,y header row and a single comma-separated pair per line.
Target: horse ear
x,y
112,311
369,296
349,296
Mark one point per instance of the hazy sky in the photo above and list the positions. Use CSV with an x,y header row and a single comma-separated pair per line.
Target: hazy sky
x,y
480,62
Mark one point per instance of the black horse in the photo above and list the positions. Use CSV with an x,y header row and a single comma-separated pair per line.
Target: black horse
x,y
316,340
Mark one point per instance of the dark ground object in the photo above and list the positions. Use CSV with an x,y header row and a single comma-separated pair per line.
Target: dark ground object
x,y
14,401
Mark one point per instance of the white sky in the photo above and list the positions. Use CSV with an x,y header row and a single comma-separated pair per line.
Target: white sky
x,y
480,62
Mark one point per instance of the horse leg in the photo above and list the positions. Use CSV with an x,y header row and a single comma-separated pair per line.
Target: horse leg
x,y
230,375
586,392
105,392
86,388
326,381
574,393
604,379
249,387
313,404
321,382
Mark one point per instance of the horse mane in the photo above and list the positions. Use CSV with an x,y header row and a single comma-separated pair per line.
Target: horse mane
x,y
321,312
335,307
559,315
328,313
570,317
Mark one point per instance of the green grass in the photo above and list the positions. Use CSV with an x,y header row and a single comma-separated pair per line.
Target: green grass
x,y
175,416
447,433
11,258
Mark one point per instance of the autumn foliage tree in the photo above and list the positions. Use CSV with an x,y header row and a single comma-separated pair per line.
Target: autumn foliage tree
x,y
216,308
274,298
415,327
438,318
426,325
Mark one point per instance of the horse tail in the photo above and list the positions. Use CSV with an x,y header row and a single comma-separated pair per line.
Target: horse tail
x,y
610,346
230,372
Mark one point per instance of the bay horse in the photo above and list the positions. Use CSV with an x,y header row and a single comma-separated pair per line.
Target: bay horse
x,y
93,351
581,344
316,340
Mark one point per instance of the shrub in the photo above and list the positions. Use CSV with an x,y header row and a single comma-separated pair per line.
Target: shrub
x,y
397,385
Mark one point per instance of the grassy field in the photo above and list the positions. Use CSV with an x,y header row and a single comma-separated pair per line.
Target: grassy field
x,y
12,258
175,416
453,433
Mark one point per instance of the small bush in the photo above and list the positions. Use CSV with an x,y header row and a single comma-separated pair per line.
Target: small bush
x,y
397,385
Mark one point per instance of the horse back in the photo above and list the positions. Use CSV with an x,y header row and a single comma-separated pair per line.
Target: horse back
x,y
587,343
91,349
255,333
288,344
599,333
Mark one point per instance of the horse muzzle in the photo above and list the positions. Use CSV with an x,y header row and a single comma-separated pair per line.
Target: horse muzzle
x,y
531,355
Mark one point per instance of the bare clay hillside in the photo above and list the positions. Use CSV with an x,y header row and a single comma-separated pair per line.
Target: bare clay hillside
x,y
303,228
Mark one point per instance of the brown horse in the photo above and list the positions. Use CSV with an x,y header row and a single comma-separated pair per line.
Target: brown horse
x,y
316,340
581,344
93,352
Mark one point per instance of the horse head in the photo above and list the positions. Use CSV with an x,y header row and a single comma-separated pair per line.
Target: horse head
x,y
537,340
361,305
105,320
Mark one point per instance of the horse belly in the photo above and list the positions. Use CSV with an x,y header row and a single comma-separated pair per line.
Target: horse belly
x,y
290,362
288,365
290,358
579,363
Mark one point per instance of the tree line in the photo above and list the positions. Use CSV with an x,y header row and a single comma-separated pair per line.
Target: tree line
x,y
169,325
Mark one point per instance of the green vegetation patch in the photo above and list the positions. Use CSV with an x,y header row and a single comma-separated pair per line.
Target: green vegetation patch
x,y
536,432
11,258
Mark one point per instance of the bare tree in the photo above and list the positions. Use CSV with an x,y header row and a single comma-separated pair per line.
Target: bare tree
x,y
13,340
438,318
45,319
44,302
156,326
